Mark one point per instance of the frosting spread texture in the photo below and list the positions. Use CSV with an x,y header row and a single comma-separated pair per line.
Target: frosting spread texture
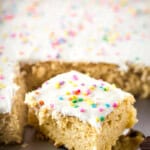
x,y
78,95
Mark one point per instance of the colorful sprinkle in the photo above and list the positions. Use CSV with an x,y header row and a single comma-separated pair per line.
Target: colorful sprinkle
x,y
80,99
77,92
115,105
82,110
52,105
57,85
107,105
94,105
101,118
61,98
61,82
75,77
41,102
74,101
101,109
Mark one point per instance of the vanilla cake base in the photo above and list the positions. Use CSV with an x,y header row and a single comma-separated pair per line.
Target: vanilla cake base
x,y
76,135
12,124
77,125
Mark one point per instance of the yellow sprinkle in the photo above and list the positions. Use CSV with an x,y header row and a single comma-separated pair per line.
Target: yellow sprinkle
x,y
92,87
89,101
132,10
66,33
24,40
70,82
113,86
2,86
97,119
123,2
75,85
74,97
4,59
111,39
71,104
84,93
57,85
89,49
67,93
36,49
5,35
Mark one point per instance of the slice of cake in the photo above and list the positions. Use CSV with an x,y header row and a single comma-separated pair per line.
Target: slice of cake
x,y
12,108
80,112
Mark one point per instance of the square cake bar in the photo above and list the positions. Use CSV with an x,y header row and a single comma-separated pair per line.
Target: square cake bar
x,y
80,112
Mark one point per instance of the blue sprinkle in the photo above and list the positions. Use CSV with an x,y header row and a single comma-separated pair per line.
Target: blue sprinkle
x,y
61,98
93,105
61,40
107,105
101,87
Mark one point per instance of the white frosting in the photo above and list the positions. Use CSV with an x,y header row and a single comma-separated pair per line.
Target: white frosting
x,y
94,31
97,103
7,86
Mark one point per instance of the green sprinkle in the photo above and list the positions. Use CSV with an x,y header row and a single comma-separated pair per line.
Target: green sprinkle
x,y
74,101
80,99
101,118
137,58
106,88
76,106
105,38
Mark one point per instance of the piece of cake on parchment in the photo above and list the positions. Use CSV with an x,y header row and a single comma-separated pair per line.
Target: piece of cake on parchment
x,y
80,112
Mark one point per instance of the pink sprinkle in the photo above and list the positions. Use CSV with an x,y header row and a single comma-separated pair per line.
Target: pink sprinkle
x,y
61,82
75,77
2,97
115,105
21,53
1,77
94,85
73,14
82,110
101,109
8,17
81,27
128,37
1,47
46,83
49,56
13,35
55,44
116,8
82,84
71,33
88,92
52,105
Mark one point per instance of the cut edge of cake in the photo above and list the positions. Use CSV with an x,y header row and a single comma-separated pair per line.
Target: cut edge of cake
x,y
12,123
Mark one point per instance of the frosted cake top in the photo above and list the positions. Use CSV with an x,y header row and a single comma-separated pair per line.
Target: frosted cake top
x,y
78,95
